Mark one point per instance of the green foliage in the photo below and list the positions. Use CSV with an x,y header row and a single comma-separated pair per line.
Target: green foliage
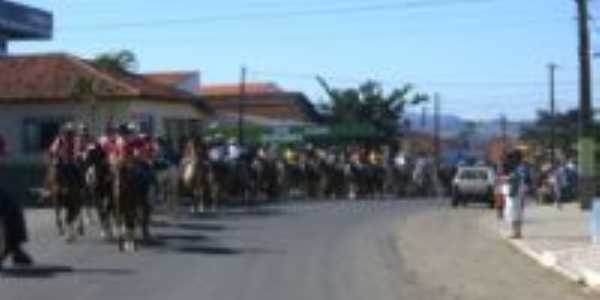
x,y
565,129
119,61
369,104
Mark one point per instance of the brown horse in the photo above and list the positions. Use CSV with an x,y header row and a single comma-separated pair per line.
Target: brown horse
x,y
65,186
195,176
132,206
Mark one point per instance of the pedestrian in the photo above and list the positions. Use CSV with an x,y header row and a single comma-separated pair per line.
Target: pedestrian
x,y
518,178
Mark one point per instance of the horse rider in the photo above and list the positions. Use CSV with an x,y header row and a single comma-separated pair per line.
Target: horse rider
x,y
216,151
63,155
233,151
147,152
108,143
84,142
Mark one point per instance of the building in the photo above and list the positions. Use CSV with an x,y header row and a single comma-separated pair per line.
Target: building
x,y
188,81
265,101
21,22
41,92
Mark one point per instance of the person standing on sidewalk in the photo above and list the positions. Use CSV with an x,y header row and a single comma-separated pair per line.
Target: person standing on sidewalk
x,y
518,183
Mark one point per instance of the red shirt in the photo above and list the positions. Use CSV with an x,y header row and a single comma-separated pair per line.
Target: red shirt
x,y
63,150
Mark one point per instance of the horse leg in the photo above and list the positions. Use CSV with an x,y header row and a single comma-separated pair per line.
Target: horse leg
x,y
72,212
58,216
146,218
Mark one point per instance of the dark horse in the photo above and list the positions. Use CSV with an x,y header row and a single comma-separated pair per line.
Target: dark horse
x,y
99,180
334,179
65,185
132,206
266,177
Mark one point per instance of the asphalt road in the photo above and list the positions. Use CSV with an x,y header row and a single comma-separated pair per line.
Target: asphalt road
x,y
332,250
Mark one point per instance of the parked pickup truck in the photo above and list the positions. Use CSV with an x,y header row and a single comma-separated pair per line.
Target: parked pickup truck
x,y
473,184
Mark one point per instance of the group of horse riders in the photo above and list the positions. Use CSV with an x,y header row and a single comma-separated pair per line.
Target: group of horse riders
x,y
116,172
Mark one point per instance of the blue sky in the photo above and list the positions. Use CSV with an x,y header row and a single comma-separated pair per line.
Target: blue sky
x,y
484,57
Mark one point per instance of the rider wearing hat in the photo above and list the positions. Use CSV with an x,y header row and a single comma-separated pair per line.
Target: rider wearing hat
x,y
83,142
108,142
63,155
128,142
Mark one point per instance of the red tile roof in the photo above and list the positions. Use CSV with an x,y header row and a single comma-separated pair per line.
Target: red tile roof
x,y
171,79
53,77
234,89
275,105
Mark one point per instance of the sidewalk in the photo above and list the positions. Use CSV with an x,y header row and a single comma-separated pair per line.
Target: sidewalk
x,y
559,240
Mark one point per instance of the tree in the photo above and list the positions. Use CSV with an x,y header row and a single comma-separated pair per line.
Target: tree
x,y
120,61
369,104
565,130
86,89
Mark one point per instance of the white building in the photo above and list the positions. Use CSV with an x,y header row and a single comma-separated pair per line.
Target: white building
x,y
41,92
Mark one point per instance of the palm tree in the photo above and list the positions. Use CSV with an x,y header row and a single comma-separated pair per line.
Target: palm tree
x,y
86,89
120,61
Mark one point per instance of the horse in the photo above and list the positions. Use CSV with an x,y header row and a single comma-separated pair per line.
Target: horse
x,y
194,176
166,183
99,180
374,180
132,207
334,181
423,178
266,175
65,185
311,167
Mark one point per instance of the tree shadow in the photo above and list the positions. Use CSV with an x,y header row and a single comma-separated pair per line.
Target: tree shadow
x,y
186,225
221,250
50,271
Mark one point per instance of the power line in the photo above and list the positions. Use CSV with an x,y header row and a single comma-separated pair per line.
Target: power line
x,y
367,8
465,83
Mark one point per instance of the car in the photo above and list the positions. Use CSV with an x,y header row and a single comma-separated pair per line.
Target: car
x,y
473,184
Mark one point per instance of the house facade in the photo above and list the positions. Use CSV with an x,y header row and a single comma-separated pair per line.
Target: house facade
x,y
42,92
265,101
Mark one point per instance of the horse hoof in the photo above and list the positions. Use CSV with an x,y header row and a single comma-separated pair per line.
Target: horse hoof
x,y
106,235
70,239
129,246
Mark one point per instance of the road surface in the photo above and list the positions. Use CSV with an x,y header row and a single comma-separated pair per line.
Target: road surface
x,y
330,250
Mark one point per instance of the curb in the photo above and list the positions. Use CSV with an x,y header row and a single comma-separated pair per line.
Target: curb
x,y
548,260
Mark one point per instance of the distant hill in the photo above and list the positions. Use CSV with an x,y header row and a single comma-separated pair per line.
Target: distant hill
x,y
451,126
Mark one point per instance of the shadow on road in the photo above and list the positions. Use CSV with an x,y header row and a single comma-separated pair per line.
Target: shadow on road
x,y
218,250
181,224
49,271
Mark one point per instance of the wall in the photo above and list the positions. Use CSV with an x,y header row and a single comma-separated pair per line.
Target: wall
x,y
13,115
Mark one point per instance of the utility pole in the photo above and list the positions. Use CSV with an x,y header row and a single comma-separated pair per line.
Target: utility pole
x,y
436,128
423,117
503,125
552,70
241,101
586,141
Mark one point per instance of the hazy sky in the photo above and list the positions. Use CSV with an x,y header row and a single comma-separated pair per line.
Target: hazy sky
x,y
485,57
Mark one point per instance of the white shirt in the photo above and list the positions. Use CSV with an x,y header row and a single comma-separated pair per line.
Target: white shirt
x,y
215,154
400,161
233,152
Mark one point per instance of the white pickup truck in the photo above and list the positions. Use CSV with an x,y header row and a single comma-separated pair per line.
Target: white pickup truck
x,y
473,184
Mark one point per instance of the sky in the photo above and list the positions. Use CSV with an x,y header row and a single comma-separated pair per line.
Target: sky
x,y
485,58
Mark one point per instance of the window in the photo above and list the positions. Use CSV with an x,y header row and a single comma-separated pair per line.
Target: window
x,y
39,133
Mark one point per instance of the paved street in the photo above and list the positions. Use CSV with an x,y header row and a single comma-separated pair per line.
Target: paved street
x,y
332,250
